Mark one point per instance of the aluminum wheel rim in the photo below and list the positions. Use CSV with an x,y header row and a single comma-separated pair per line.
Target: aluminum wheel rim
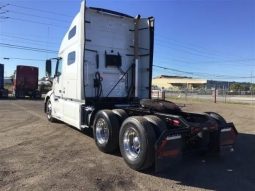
x,y
132,143
102,131
49,110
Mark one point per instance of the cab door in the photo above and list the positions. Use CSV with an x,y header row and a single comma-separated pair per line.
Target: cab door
x,y
57,102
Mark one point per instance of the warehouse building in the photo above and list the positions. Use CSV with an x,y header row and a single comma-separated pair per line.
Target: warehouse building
x,y
178,82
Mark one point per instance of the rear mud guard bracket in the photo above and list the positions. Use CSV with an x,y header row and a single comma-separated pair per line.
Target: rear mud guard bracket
x,y
228,135
168,150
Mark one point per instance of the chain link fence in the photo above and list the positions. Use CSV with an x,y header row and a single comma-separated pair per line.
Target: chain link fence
x,y
218,95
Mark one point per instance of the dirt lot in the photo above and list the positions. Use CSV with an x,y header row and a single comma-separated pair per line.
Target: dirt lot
x,y
38,155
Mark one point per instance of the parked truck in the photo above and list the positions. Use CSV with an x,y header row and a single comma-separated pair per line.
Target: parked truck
x,y
102,81
3,91
25,82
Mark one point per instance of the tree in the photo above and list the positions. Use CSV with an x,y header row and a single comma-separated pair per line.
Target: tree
x,y
236,87
253,87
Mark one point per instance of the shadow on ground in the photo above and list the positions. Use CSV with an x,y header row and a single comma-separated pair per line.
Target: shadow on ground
x,y
234,171
231,170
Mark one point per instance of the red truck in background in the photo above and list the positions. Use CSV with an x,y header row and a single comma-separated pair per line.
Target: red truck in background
x,y
25,82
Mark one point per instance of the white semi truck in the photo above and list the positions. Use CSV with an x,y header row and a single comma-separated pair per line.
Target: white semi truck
x,y
102,80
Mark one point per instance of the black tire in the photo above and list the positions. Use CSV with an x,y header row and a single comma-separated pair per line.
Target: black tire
x,y
49,112
221,121
121,114
107,120
147,138
158,124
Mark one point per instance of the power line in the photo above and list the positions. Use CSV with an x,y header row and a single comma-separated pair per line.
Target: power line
x,y
190,45
175,70
226,61
202,74
196,49
35,22
223,61
27,48
7,40
216,63
3,6
43,17
1,13
3,17
40,10
35,36
28,39
213,61
29,59
183,50
190,50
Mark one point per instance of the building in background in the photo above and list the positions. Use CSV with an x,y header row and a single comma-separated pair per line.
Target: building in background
x,y
178,82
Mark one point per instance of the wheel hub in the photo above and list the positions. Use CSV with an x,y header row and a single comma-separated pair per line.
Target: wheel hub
x,y
49,110
131,143
102,131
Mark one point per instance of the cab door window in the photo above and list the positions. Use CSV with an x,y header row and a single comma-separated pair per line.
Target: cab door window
x,y
58,68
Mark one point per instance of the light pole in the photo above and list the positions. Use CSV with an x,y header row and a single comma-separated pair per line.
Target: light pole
x,y
251,89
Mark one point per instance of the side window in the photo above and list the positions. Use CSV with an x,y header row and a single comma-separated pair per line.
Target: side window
x,y
71,58
59,67
72,33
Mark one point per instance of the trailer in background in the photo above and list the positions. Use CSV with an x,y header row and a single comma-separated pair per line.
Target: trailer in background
x,y
25,82
3,91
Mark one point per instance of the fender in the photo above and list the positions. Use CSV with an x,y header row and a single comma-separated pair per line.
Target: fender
x,y
46,98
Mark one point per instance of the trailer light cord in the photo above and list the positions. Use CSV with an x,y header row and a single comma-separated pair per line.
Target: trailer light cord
x,y
98,84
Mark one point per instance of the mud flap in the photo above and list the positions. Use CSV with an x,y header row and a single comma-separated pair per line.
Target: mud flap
x,y
168,150
228,136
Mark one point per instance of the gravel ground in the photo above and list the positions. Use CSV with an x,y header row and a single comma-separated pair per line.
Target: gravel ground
x,y
38,155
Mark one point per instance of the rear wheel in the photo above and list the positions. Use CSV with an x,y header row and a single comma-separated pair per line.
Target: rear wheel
x,y
137,139
158,124
221,121
106,131
121,114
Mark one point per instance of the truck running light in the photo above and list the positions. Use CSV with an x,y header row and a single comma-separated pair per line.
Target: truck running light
x,y
174,122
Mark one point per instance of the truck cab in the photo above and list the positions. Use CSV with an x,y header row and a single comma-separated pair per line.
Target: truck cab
x,y
102,80
104,55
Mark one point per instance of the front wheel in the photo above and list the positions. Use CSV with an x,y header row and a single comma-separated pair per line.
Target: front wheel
x,y
49,111
137,139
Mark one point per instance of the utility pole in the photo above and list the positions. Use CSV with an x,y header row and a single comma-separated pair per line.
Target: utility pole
x,y
251,89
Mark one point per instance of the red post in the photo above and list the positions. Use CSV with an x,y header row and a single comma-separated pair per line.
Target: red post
x,y
163,95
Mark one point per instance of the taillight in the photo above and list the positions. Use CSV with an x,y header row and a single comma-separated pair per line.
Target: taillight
x,y
174,122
